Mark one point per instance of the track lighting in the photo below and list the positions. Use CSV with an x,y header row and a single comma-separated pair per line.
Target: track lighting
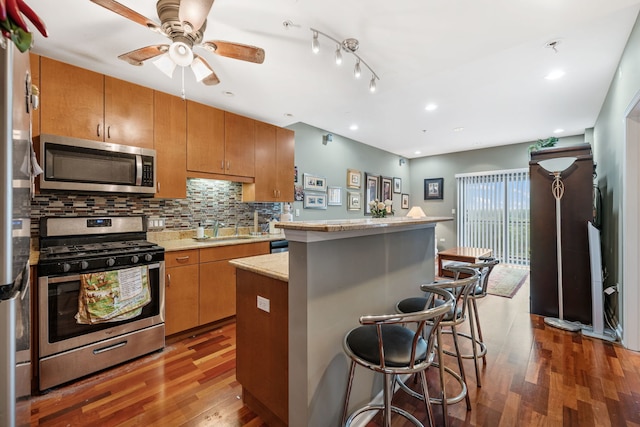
x,y
315,44
349,45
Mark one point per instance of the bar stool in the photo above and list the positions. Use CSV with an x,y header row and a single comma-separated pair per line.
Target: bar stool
x,y
484,268
383,344
461,289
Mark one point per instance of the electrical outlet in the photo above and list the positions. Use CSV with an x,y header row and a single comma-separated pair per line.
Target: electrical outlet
x,y
297,212
453,211
442,240
264,304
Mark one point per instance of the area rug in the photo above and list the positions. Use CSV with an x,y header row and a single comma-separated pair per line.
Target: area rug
x,y
505,280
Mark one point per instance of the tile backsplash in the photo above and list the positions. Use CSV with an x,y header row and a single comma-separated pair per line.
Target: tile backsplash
x,y
206,202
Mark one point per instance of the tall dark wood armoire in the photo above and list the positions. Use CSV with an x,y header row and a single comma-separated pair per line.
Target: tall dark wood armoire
x,y
576,210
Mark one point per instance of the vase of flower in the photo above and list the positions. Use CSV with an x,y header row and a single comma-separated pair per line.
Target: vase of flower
x,y
380,209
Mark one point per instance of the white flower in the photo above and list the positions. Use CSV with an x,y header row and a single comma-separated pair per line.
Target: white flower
x,y
381,206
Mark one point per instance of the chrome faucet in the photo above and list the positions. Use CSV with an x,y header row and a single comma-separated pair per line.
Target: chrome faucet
x,y
236,228
216,227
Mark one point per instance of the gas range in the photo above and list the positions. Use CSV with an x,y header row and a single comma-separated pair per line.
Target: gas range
x,y
87,244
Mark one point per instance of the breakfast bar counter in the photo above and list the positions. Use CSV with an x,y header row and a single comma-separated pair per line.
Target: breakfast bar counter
x,y
338,270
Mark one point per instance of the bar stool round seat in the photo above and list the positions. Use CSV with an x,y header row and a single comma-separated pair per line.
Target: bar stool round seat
x,y
384,344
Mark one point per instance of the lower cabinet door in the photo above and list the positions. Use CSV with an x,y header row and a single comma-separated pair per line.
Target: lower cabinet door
x,y
217,291
181,298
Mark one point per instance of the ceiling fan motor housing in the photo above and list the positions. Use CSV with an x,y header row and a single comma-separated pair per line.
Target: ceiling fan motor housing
x,y
168,12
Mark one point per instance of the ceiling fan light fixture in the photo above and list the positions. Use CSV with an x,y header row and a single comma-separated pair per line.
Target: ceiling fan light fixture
x,y
200,69
165,64
181,53
194,13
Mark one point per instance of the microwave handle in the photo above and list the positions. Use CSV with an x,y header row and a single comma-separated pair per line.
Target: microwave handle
x,y
138,170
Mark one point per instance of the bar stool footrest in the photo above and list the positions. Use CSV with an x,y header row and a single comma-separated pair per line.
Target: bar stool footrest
x,y
395,409
480,344
450,400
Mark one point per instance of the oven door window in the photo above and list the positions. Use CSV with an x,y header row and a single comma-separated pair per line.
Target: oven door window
x,y
63,307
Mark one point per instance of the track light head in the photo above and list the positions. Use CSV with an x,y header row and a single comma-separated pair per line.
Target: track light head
x,y
315,44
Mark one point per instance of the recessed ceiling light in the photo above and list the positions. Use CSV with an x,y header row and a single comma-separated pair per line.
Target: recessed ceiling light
x,y
418,152
554,75
228,93
558,131
353,127
431,107
458,129
288,115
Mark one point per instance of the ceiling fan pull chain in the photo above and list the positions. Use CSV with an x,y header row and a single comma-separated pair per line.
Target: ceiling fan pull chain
x,y
184,96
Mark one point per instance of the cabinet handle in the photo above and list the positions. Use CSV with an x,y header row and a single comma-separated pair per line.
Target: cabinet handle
x,y
98,129
169,279
275,193
108,131
182,258
222,164
158,186
228,164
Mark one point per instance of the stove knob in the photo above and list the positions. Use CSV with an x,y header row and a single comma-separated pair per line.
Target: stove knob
x,y
135,259
148,257
66,267
111,262
84,265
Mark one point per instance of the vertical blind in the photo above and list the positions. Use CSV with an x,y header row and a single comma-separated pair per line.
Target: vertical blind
x,y
493,212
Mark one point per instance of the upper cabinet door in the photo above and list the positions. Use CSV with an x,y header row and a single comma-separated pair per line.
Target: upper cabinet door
x,y
239,147
205,139
285,151
128,112
72,101
266,165
170,143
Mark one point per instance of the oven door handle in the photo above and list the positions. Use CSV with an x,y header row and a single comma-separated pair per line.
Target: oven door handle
x,y
110,347
60,279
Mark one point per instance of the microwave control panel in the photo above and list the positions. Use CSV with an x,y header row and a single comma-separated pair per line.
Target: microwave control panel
x,y
147,171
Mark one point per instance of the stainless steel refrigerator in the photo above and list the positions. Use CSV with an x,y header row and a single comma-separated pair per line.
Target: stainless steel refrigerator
x,y
15,199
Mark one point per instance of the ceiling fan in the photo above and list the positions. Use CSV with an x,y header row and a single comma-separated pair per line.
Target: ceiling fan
x,y
184,23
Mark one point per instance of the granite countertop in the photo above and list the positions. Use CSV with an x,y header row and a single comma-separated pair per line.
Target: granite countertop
x,y
337,225
181,240
275,265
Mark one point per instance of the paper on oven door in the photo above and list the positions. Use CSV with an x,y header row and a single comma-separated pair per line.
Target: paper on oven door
x,y
112,296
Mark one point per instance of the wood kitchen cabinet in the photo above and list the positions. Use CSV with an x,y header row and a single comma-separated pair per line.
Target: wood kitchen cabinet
x,y
274,165
220,145
83,104
170,143
181,290
218,279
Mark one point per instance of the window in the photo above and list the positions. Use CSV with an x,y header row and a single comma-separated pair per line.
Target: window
x,y
493,212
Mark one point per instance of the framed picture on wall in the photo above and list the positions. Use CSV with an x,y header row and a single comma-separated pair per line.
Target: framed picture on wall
x,y
315,201
353,178
386,189
397,185
372,190
314,182
353,201
334,196
433,189
405,201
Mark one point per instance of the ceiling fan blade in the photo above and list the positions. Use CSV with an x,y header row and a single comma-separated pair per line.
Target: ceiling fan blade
x,y
239,51
210,79
135,57
130,14
194,12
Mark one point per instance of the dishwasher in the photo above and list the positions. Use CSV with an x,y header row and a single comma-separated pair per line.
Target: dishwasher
x,y
279,246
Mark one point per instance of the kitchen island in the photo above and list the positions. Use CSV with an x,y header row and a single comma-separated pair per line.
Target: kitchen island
x,y
337,272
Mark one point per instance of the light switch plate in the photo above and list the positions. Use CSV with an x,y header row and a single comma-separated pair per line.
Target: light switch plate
x,y
264,304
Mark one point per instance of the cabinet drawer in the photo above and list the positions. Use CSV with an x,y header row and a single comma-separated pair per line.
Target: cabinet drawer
x,y
233,251
177,258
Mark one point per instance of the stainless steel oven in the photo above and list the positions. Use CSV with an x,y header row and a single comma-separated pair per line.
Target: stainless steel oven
x,y
70,348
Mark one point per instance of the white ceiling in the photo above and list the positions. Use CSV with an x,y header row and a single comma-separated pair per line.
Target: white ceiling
x,y
483,62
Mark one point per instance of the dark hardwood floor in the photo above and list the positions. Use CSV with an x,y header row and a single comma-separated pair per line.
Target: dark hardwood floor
x,y
535,376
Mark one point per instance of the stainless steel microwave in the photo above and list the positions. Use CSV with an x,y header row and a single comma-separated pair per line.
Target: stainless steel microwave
x,y
93,166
